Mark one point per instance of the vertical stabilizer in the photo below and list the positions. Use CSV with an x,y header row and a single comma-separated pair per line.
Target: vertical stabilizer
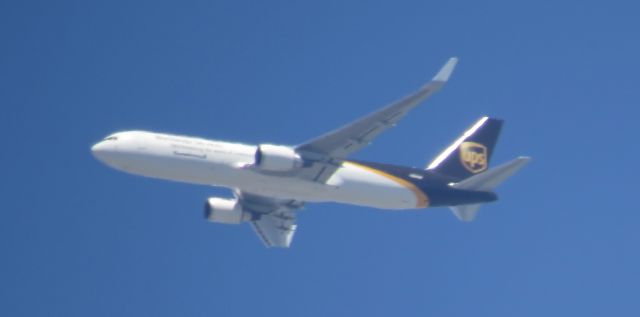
x,y
471,152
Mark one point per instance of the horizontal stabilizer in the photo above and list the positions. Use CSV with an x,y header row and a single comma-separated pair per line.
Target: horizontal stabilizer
x,y
492,178
485,181
465,212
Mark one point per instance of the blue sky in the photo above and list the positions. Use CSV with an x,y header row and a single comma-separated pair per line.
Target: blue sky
x,y
80,239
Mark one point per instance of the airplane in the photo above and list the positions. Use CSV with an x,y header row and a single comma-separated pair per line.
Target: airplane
x,y
271,182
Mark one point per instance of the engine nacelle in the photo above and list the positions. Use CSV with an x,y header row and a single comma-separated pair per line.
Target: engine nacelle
x,y
227,211
277,158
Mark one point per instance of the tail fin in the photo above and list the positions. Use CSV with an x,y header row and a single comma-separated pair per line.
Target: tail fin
x,y
471,152
486,181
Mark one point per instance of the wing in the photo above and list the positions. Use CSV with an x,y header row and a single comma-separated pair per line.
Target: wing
x,y
352,137
274,231
329,149
274,219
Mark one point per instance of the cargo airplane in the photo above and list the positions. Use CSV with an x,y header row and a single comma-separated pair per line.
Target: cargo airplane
x,y
271,182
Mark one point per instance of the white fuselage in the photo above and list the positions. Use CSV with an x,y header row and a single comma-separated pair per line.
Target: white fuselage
x,y
216,163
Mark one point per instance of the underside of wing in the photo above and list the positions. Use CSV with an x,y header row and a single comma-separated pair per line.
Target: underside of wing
x,y
275,230
274,220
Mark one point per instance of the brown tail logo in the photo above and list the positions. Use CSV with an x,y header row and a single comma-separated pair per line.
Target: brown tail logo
x,y
473,156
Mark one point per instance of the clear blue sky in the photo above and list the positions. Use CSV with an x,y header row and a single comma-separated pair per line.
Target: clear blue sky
x,y
80,239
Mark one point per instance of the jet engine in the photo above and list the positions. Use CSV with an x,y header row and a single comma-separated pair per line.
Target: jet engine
x,y
277,158
227,211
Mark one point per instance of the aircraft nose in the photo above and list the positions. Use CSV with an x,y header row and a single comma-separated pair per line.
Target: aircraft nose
x,y
109,152
100,150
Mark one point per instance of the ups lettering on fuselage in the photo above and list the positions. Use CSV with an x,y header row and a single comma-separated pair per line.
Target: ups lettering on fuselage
x,y
473,156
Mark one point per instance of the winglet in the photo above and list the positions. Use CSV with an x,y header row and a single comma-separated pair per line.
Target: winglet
x,y
446,70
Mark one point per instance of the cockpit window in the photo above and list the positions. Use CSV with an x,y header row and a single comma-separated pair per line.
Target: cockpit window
x,y
111,138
